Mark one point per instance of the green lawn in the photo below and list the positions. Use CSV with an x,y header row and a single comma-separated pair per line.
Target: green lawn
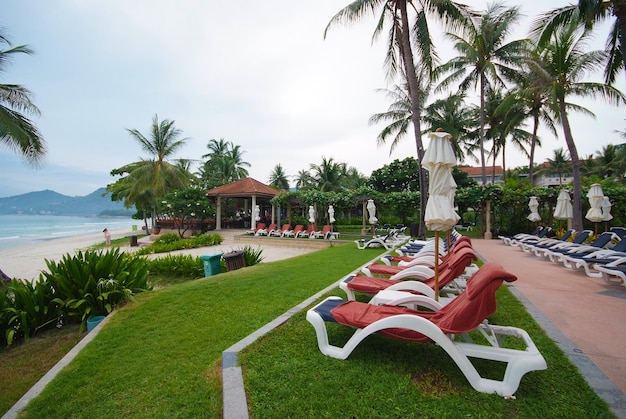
x,y
160,357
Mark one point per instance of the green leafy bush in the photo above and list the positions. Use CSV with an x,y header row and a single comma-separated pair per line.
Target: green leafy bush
x,y
168,239
166,243
93,283
178,266
28,308
252,256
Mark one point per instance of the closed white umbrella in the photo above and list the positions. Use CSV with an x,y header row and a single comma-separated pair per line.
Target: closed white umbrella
x,y
311,214
533,205
439,214
331,214
595,196
564,209
371,210
255,213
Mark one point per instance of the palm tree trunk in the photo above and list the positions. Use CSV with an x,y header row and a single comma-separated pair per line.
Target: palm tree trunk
x,y
481,129
533,142
571,146
409,68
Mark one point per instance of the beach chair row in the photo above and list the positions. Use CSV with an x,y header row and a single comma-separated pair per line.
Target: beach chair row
x,y
311,232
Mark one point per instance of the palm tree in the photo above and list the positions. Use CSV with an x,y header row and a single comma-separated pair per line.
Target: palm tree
x,y
328,175
225,163
562,64
533,93
609,161
586,14
491,60
505,122
559,165
149,180
17,132
278,178
304,180
457,118
400,45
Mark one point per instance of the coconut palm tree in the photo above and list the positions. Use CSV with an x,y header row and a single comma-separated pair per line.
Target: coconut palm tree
x,y
402,35
328,175
562,63
304,180
225,163
17,132
278,178
148,180
490,61
587,14
559,165
457,118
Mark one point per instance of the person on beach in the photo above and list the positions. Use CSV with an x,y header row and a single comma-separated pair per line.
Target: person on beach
x,y
107,236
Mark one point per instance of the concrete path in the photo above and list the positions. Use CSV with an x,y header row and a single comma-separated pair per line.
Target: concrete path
x,y
587,311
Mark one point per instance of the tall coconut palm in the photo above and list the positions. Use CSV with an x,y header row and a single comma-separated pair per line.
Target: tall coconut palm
x,y
559,165
587,14
490,61
402,35
328,175
457,118
304,180
150,179
17,132
278,178
225,163
563,62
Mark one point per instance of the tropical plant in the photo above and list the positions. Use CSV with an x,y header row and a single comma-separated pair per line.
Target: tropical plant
x,y
457,118
559,165
224,164
586,15
278,178
562,63
328,175
93,283
304,180
185,206
491,61
28,308
401,37
146,182
17,132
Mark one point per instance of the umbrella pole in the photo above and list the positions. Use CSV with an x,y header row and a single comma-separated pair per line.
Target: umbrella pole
x,y
437,265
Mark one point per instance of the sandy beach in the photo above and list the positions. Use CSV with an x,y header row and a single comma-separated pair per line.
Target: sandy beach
x,y
28,261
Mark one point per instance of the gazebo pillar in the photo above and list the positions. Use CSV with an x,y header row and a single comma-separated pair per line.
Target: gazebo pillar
x,y
218,213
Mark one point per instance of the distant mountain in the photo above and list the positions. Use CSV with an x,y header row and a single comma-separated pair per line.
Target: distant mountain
x,y
53,203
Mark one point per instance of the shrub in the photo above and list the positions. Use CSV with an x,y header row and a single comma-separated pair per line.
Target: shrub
x,y
93,283
168,239
178,266
252,256
171,242
27,308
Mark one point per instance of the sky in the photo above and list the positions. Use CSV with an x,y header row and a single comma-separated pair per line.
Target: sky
x,y
258,74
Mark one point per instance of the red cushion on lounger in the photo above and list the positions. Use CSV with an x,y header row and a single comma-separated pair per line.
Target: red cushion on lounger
x,y
370,285
462,314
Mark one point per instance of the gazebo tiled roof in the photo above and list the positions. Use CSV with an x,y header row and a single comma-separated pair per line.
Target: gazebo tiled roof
x,y
244,188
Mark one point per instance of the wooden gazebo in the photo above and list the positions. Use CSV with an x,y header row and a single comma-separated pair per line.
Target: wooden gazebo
x,y
243,188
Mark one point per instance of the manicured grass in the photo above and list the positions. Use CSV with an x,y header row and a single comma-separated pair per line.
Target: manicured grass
x,y
23,365
160,357
287,376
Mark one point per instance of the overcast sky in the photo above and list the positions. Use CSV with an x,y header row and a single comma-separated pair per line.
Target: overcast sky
x,y
258,74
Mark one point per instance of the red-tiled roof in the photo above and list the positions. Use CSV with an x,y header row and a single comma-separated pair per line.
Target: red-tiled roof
x,y
477,171
242,188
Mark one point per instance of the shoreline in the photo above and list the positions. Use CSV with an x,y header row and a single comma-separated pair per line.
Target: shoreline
x,y
27,262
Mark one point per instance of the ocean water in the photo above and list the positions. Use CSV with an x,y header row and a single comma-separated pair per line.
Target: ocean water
x,y
22,230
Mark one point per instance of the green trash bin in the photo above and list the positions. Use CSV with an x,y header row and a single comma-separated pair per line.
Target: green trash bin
x,y
212,264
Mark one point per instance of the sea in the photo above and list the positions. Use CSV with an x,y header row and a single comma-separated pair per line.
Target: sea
x,y
24,230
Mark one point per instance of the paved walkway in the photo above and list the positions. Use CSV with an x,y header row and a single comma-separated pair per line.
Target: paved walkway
x,y
587,311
